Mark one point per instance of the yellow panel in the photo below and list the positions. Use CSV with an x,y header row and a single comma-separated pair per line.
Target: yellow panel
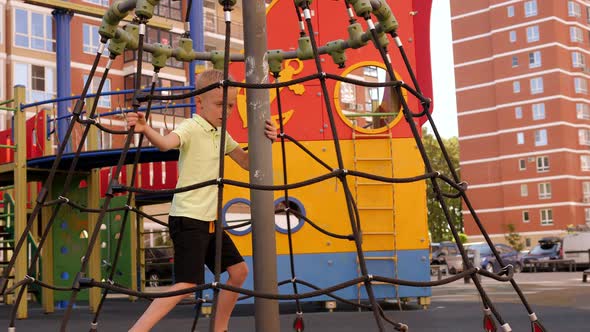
x,y
325,205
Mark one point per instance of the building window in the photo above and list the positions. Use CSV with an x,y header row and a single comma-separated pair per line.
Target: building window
x,y
525,216
103,101
546,217
574,9
530,8
588,14
578,60
516,86
518,112
544,190
169,9
541,137
39,81
536,85
512,36
510,10
520,138
532,34
91,39
584,136
524,190
33,30
585,163
543,164
576,35
210,21
535,59
586,191
104,3
515,61
580,85
158,36
582,111
587,215
539,111
521,164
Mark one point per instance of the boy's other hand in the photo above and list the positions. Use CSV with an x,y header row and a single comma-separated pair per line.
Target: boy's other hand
x,y
137,120
270,130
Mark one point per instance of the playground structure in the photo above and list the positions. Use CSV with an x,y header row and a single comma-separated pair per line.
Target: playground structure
x,y
394,226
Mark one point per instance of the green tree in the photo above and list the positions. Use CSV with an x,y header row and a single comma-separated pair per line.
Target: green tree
x,y
513,238
437,223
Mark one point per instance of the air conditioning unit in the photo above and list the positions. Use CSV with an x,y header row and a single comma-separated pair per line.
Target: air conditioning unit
x,y
531,159
586,199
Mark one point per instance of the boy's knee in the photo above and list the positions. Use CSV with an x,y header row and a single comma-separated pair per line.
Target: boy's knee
x,y
239,272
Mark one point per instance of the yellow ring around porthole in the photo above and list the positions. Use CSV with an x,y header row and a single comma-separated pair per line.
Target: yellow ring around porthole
x,y
347,120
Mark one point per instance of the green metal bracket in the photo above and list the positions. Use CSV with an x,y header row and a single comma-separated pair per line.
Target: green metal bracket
x,y
275,60
302,3
336,50
184,51
160,55
362,8
127,38
218,58
111,19
383,40
145,8
355,35
386,17
304,51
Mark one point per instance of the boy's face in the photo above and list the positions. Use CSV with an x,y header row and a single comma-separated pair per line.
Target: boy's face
x,y
212,105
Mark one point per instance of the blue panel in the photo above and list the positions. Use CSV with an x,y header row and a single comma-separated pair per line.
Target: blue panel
x,y
326,270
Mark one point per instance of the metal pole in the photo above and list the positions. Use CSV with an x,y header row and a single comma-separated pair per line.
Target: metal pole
x,y
62,27
197,35
260,154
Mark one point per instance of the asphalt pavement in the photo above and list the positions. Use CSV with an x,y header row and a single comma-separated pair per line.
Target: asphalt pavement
x,y
560,299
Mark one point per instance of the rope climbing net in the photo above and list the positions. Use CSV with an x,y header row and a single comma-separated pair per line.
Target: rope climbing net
x,y
132,37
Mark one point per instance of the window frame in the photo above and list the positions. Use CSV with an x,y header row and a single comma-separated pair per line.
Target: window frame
x,y
518,112
537,86
526,217
582,111
542,163
585,163
520,138
47,19
530,8
532,34
535,59
546,217
578,60
512,36
541,138
544,190
521,164
516,87
580,85
524,190
538,111
574,9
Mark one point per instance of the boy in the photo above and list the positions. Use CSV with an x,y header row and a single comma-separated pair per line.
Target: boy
x,y
192,213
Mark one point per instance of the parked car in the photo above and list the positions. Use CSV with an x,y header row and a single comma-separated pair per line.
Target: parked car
x,y
440,251
487,259
547,249
576,246
159,263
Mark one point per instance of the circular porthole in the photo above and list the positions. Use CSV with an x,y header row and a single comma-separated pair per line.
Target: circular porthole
x,y
237,212
369,110
281,221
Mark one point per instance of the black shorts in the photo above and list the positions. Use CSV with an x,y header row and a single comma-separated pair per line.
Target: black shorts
x,y
194,247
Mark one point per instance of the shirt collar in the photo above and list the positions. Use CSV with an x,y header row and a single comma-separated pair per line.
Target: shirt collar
x,y
203,123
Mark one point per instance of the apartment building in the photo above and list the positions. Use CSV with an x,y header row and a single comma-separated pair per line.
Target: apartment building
x,y
523,113
28,45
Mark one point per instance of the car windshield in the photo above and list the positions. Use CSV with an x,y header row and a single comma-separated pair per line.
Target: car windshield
x,y
541,250
483,248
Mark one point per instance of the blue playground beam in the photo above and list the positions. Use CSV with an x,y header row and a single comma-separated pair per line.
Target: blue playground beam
x,y
62,19
196,23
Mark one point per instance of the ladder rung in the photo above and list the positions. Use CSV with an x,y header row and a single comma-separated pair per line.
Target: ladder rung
x,y
358,135
380,258
374,159
6,248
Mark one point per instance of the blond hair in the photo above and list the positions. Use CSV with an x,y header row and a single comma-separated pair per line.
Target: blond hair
x,y
209,77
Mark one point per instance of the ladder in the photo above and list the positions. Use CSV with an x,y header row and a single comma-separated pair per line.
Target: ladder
x,y
373,153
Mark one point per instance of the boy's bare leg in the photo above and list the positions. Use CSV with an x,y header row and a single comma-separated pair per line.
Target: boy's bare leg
x,y
159,308
227,300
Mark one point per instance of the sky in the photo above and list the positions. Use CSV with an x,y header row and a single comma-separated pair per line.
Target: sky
x,y
443,74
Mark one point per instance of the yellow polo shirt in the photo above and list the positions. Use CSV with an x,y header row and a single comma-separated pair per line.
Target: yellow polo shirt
x,y
198,162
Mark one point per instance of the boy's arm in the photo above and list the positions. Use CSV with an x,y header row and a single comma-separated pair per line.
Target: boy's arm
x,y
241,157
164,143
